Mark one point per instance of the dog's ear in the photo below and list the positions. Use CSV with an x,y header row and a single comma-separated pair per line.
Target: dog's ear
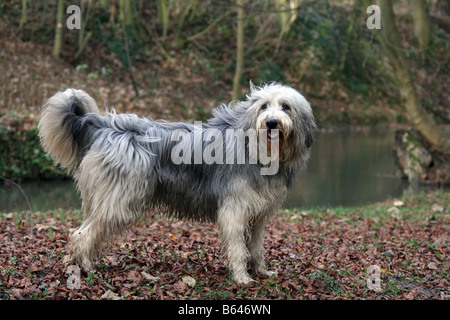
x,y
252,97
309,139
308,127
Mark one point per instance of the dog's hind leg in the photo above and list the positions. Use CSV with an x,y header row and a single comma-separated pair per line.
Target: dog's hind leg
x,y
85,244
112,202
105,224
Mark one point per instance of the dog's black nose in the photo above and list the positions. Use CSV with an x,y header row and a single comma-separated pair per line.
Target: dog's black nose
x,y
272,123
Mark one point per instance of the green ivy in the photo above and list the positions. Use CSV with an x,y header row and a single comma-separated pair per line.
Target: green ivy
x,y
22,157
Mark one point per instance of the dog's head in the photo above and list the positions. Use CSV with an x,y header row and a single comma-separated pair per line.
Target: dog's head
x,y
284,115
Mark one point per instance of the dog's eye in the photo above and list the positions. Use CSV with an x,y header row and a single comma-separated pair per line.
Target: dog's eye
x,y
285,107
264,107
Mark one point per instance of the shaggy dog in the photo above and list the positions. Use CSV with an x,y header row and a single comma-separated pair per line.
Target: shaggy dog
x,y
234,170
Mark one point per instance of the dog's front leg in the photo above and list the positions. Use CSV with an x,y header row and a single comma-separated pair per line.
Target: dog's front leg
x,y
256,248
232,229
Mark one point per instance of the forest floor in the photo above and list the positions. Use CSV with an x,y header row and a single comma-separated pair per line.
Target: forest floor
x,y
319,254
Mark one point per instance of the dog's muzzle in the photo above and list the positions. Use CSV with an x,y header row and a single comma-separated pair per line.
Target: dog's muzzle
x,y
272,124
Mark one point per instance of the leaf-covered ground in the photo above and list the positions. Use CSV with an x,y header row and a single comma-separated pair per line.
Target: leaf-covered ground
x,y
318,254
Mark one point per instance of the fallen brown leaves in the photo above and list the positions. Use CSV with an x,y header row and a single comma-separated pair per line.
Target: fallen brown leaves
x,y
317,255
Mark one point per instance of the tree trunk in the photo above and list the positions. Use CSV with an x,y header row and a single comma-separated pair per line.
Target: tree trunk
x,y
23,17
125,12
164,16
287,13
83,38
349,36
390,40
189,8
422,25
239,50
410,155
59,30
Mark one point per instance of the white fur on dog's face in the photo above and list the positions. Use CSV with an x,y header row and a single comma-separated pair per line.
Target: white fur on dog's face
x,y
291,113
282,103
278,111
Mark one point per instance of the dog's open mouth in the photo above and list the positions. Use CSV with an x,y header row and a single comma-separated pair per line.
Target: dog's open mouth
x,y
274,134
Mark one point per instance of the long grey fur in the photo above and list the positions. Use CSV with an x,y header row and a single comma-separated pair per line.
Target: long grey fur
x,y
123,166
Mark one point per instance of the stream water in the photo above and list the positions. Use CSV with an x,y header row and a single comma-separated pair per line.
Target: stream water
x,y
346,168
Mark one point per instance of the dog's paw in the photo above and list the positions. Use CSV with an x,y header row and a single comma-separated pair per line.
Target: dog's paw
x,y
267,273
270,274
83,262
243,279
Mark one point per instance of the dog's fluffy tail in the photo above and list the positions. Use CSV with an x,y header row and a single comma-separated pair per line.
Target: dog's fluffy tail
x,y
61,124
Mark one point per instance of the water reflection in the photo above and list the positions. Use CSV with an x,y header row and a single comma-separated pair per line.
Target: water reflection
x,y
346,168
42,195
